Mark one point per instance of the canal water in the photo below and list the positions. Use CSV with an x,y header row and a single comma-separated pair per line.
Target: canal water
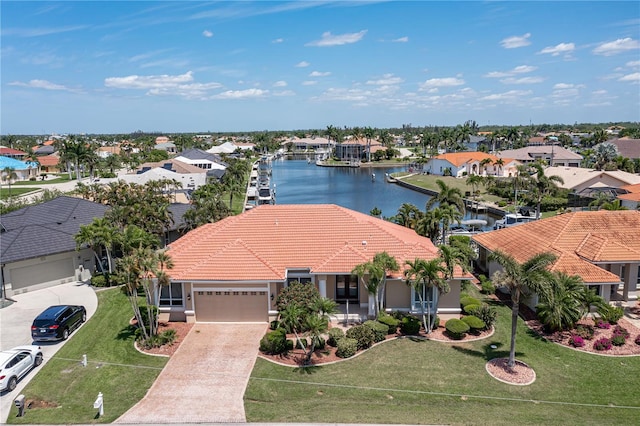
x,y
300,182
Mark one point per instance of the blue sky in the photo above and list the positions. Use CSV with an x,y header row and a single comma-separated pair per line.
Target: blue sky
x,y
118,67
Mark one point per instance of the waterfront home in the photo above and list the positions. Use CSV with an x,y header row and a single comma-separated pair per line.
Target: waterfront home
x,y
21,170
12,153
601,247
629,196
234,269
553,155
459,164
583,180
627,147
211,162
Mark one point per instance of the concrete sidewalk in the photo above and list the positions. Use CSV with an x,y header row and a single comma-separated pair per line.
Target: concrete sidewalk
x,y
16,319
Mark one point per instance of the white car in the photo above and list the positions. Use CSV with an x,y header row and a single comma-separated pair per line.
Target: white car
x,y
16,363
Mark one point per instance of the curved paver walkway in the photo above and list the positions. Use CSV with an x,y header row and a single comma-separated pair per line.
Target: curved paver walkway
x,y
205,380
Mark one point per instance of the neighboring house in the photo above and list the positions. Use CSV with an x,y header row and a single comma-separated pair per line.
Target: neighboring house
x,y
629,196
602,247
230,148
475,142
42,150
554,155
459,164
355,149
107,151
168,147
12,153
203,160
23,169
627,147
38,248
234,269
49,163
584,181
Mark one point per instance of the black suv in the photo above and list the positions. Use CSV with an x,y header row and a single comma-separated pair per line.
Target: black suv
x,y
57,322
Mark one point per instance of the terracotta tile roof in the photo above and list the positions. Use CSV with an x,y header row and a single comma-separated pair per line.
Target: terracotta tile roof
x,y
49,160
580,239
262,243
460,158
10,152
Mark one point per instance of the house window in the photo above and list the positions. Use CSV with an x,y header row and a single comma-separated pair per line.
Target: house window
x,y
638,281
346,287
301,280
171,295
428,296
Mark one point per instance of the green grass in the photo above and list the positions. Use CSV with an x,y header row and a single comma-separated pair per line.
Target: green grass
x,y
115,368
418,382
15,192
60,179
429,182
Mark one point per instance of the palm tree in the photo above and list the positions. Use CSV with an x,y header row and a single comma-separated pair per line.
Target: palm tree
x,y
447,196
448,215
8,175
388,264
484,163
407,216
613,205
475,181
369,133
543,185
99,233
560,306
518,278
452,256
372,284
500,163
605,154
426,279
429,224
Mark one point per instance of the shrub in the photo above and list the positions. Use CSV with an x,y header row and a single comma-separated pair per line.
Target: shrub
x,y
301,343
576,341
410,326
474,323
470,309
335,334
487,287
165,338
362,334
456,328
637,340
379,330
611,314
289,345
99,281
273,325
584,331
391,323
486,313
621,331
602,344
618,340
468,300
602,324
319,342
303,295
274,342
347,347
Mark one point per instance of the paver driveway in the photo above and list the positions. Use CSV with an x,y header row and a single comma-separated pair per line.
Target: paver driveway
x,y
205,380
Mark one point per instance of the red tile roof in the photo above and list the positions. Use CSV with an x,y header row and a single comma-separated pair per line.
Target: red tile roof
x,y
262,243
10,152
460,158
580,239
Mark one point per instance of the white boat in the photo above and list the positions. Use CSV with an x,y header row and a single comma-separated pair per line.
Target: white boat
x,y
468,227
512,219
265,195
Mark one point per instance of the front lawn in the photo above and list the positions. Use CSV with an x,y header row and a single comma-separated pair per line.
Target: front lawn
x,y
66,390
417,382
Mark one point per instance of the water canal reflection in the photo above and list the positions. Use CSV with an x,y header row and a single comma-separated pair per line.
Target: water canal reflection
x,y
300,182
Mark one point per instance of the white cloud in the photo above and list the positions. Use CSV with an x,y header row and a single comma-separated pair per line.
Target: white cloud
x,y
511,95
284,93
309,83
441,82
278,40
42,84
401,40
599,92
302,64
635,77
563,86
242,94
524,80
516,41
148,82
329,39
633,64
615,47
387,79
520,69
556,50
280,83
319,74
207,33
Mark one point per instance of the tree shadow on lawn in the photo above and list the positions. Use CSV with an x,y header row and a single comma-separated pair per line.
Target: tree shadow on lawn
x,y
308,369
127,333
489,351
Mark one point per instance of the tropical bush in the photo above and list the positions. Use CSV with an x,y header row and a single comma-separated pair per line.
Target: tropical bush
x,y
487,287
391,323
576,341
379,330
611,314
470,309
560,306
410,326
474,323
362,334
303,295
347,347
486,313
618,340
456,328
99,281
604,325
274,342
468,300
301,343
167,337
602,344
335,334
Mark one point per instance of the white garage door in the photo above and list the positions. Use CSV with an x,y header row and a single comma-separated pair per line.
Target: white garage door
x,y
231,306
48,272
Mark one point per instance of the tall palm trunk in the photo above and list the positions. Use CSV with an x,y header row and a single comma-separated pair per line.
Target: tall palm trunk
x,y
515,308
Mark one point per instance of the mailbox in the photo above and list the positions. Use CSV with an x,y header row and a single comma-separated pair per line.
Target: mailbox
x,y
19,402
98,403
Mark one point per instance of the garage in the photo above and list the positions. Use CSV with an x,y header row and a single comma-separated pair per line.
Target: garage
x,y
231,305
55,272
